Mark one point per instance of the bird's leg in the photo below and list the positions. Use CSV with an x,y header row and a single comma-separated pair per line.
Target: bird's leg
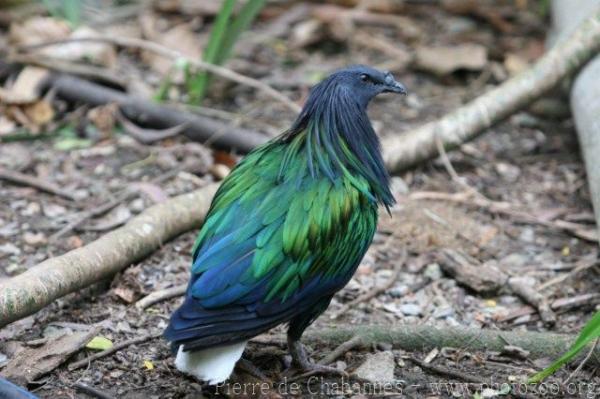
x,y
297,326
301,361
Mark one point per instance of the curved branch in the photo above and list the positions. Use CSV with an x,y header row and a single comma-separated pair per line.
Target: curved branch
x,y
469,121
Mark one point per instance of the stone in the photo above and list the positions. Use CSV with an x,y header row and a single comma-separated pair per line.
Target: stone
x,y
410,309
378,367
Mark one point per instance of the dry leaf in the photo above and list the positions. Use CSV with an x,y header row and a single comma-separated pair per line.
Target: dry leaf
x,y
180,38
149,365
126,294
515,64
104,118
97,53
31,363
443,60
307,32
39,113
25,89
6,126
38,30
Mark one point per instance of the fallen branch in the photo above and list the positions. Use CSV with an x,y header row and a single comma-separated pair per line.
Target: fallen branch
x,y
176,55
466,123
488,279
341,350
144,112
40,285
161,295
426,337
31,181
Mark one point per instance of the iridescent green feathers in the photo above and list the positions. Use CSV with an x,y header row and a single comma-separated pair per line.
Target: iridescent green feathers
x,y
290,226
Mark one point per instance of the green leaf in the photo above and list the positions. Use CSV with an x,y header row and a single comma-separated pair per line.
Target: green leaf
x,y
590,332
197,85
71,143
99,343
240,24
69,10
225,33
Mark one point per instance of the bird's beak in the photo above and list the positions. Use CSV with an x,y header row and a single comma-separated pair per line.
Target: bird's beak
x,y
395,87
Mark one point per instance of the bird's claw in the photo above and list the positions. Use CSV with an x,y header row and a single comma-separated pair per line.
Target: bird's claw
x,y
300,361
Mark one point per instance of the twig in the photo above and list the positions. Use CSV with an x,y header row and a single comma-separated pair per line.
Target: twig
x,y
507,209
402,151
341,350
161,295
26,180
448,165
175,55
92,391
55,64
446,371
532,296
559,279
583,362
149,136
110,351
374,292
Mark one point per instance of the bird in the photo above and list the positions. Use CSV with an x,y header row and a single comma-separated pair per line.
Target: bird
x,y
286,229
8,390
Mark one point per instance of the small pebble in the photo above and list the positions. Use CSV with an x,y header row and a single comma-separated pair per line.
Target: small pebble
x,y
433,271
410,309
34,239
9,249
54,210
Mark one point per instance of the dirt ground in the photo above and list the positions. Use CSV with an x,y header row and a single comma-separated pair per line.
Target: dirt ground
x,y
531,162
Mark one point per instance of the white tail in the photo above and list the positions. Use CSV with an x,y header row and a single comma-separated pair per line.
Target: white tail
x,y
213,365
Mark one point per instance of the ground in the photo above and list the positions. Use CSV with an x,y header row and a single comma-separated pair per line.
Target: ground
x,y
531,162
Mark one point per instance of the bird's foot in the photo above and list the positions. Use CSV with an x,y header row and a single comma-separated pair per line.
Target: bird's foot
x,y
300,360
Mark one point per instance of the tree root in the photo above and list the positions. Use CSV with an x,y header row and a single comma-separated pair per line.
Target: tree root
x,y
426,337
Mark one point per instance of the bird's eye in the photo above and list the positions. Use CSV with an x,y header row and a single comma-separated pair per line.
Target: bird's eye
x,y
364,77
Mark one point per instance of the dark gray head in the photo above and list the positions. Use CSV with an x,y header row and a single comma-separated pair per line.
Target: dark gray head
x,y
334,117
363,82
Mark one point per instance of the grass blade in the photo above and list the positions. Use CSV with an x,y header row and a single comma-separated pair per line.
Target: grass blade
x,y
240,24
589,332
197,85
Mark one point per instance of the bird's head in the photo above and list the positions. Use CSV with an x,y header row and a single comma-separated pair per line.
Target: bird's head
x,y
361,83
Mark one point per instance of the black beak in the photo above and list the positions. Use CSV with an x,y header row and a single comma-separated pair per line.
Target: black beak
x,y
395,87
392,85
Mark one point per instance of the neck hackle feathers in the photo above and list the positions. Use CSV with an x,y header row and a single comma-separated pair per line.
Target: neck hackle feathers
x,y
335,130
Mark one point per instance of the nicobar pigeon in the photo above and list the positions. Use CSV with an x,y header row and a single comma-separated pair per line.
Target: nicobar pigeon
x,y
287,229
